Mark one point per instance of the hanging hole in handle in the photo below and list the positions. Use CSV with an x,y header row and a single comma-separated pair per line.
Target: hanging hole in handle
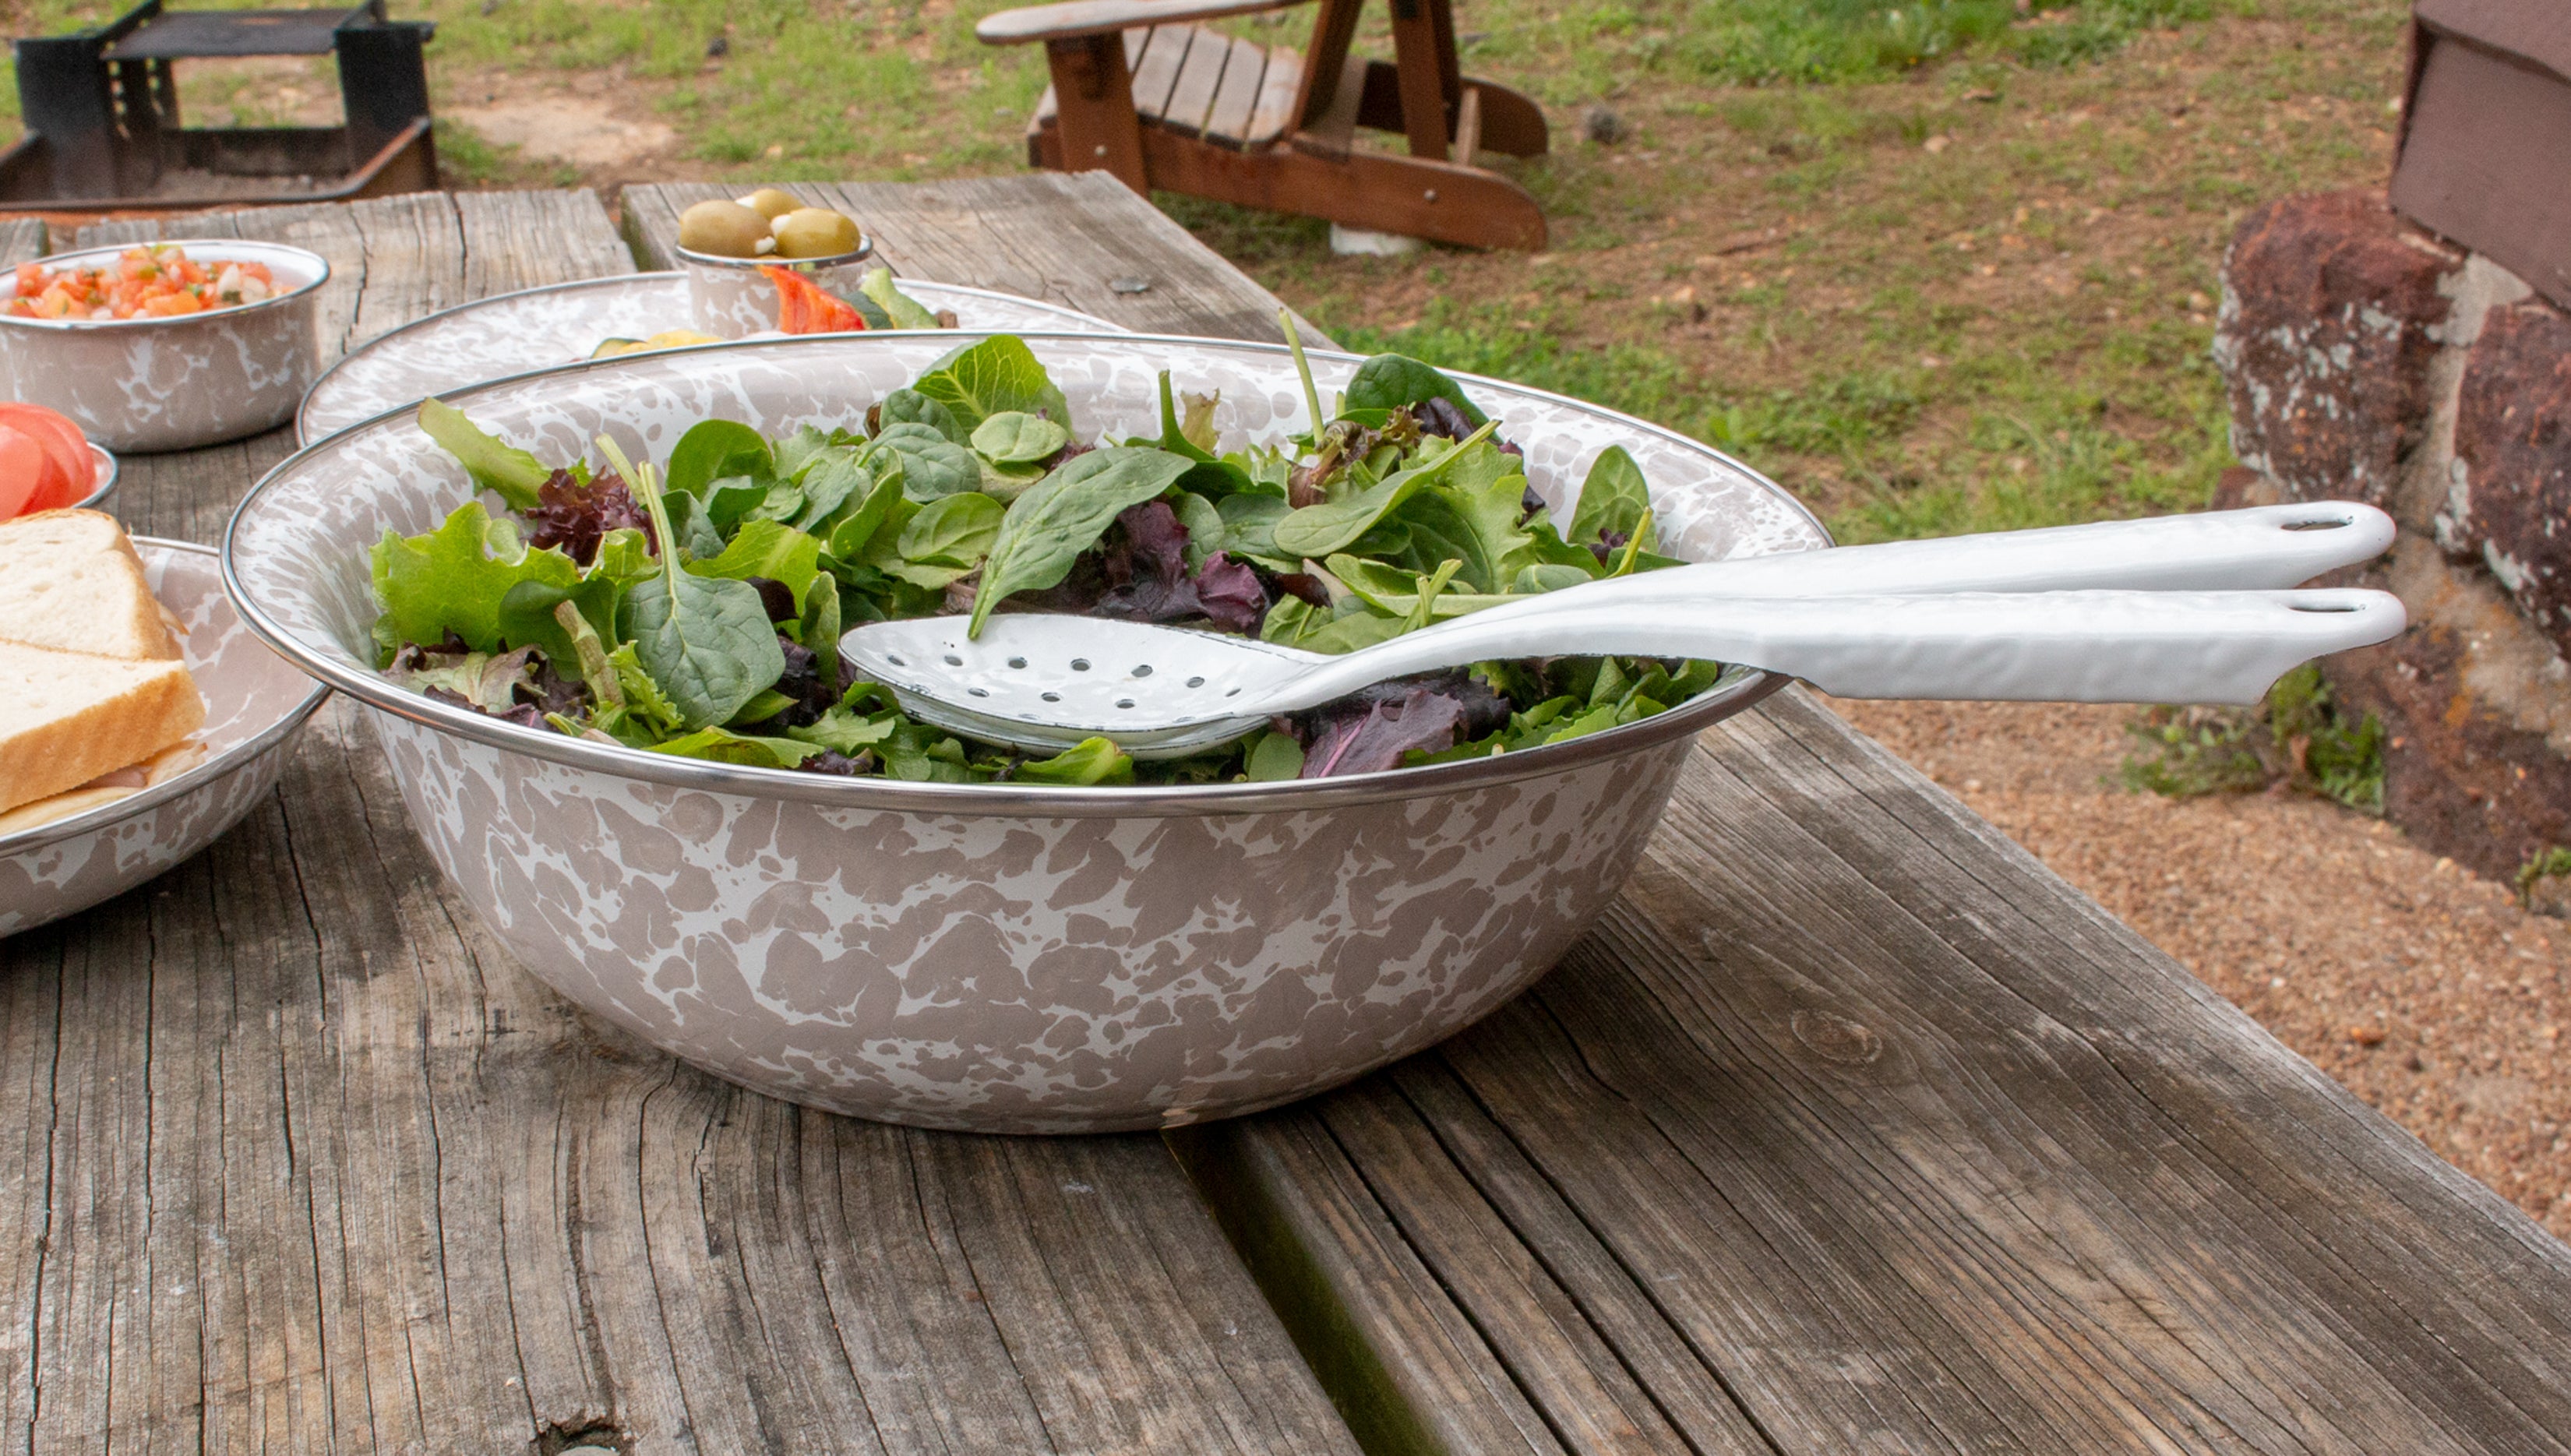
x,y
2321,523
2323,606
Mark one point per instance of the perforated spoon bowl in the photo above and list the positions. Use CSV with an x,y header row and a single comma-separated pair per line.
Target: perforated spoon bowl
x,y
1043,681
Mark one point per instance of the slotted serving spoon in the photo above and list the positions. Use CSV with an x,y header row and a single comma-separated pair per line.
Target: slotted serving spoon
x,y
1976,617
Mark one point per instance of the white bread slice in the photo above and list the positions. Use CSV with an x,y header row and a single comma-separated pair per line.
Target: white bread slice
x,y
70,581
68,718
107,789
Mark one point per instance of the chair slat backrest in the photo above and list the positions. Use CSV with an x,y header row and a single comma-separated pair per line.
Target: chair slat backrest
x,y
1332,30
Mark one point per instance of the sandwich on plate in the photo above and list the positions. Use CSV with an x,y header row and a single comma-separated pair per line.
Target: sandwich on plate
x,y
95,699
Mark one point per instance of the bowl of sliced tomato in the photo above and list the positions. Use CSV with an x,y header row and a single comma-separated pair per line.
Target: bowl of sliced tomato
x,y
46,464
165,346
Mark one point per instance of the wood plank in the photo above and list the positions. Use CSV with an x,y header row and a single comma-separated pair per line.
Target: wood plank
x,y
306,1163
1856,1119
1200,77
1274,112
1227,123
1062,237
1156,66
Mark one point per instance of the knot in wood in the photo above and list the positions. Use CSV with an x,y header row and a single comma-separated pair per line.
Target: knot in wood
x,y
1835,1038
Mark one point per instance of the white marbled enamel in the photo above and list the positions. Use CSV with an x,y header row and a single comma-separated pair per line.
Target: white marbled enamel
x,y
145,384
254,703
994,958
537,329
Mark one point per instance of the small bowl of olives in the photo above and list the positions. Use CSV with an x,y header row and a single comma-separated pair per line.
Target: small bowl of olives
x,y
723,245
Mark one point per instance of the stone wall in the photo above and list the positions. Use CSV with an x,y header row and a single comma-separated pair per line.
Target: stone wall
x,y
2368,359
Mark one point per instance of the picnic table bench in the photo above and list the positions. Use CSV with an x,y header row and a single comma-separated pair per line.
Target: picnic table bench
x,y
1851,1129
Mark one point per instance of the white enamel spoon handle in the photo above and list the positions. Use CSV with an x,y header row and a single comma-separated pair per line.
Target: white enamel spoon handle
x,y
2262,548
2067,647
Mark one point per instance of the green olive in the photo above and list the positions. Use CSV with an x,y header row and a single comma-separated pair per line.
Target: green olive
x,y
723,229
815,233
772,204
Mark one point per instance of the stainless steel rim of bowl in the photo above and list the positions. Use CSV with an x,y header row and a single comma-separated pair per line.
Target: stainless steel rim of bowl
x,y
320,275
304,436
103,456
864,250
1738,689
91,821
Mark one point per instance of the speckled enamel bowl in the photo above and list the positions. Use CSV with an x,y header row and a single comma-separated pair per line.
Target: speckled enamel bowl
x,y
729,297
254,703
992,957
145,384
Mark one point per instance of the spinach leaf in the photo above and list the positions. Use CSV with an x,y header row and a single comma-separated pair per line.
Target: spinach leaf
x,y
931,464
768,548
855,528
691,527
1015,437
706,640
1614,498
1398,381
510,472
530,616
903,311
724,746
1316,531
1250,529
713,449
1083,764
1204,520
957,531
829,482
1273,757
1064,514
998,374
909,407
798,450
453,579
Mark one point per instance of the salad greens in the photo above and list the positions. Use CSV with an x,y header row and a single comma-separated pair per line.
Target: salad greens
x,y
695,608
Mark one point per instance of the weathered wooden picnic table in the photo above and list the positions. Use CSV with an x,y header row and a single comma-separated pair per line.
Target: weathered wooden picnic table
x,y
1851,1129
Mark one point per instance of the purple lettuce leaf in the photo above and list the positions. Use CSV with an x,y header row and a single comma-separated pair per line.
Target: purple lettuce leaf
x,y
575,517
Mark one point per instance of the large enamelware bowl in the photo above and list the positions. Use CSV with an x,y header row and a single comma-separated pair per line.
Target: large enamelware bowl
x,y
992,957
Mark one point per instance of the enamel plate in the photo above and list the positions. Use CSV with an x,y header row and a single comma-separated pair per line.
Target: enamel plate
x,y
512,333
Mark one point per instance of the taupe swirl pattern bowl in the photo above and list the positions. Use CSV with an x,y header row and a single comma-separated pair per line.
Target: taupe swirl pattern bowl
x,y
144,384
254,703
992,957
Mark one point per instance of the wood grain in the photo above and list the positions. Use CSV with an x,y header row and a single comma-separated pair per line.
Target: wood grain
x,y
1854,1128
302,1160
21,239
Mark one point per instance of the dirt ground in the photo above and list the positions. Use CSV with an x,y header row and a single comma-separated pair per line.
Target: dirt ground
x,y
2421,987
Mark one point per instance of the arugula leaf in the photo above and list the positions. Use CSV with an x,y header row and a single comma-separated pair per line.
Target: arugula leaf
x,y
822,626
908,406
454,578
714,449
1396,590
1064,514
931,464
1083,764
724,746
644,698
957,531
844,731
1015,437
903,311
768,548
998,374
1614,497
1316,531
1398,381
512,473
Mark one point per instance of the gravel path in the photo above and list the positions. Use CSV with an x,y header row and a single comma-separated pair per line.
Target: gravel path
x,y
2421,987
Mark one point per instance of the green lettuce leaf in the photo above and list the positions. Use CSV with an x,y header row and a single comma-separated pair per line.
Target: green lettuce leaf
x,y
998,374
510,472
1398,381
454,578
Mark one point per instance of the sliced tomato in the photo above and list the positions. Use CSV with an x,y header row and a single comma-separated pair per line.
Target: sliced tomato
x,y
22,471
802,307
75,472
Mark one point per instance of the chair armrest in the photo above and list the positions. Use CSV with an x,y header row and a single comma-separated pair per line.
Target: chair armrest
x,y
1101,17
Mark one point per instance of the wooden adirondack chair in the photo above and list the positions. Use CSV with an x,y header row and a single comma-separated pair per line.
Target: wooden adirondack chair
x,y
1142,91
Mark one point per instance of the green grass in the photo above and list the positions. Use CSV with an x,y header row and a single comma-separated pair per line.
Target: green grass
x,y
2297,740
